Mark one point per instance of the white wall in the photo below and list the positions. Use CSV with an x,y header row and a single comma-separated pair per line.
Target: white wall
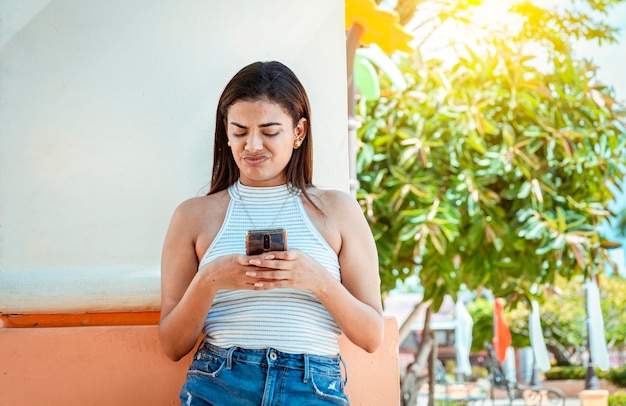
x,y
107,114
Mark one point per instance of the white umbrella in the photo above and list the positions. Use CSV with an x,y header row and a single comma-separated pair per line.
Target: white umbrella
x,y
597,342
537,342
463,338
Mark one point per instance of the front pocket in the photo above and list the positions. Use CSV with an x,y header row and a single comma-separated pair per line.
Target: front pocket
x,y
206,364
329,387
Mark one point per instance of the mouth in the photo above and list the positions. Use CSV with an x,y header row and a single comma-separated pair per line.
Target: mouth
x,y
255,159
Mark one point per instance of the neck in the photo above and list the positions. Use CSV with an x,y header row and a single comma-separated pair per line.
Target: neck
x,y
279,181
239,183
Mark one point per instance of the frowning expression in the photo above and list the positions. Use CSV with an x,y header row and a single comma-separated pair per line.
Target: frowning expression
x,y
261,136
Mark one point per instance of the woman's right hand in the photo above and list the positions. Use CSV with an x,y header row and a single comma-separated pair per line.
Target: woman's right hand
x,y
186,302
228,272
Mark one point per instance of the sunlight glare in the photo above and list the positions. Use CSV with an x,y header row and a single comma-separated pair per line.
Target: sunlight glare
x,y
468,29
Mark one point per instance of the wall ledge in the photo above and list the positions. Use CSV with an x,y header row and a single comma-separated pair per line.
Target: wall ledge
x,y
79,319
80,290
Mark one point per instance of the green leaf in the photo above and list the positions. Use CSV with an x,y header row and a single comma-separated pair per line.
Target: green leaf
x,y
366,78
374,55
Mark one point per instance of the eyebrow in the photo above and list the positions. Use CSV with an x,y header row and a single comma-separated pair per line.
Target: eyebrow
x,y
270,124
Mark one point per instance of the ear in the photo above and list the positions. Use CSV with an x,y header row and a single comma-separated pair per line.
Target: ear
x,y
301,129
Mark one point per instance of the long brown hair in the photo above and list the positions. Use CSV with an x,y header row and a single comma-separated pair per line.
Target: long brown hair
x,y
277,83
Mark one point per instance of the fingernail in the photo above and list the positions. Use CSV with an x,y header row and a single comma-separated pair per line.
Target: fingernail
x,y
268,257
258,284
250,273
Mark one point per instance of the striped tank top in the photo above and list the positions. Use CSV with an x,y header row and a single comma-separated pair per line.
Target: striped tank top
x,y
288,320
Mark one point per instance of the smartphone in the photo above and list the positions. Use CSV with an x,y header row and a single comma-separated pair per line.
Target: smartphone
x,y
260,241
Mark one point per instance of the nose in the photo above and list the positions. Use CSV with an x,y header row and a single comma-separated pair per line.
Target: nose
x,y
254,142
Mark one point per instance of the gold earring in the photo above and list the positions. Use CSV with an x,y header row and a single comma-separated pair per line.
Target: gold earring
x,y
297,143
228,143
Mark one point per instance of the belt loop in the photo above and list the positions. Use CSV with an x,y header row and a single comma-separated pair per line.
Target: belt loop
x,y
200,347
306,368
229,358
345,370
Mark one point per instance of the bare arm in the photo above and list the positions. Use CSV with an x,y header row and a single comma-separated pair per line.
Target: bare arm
x,y
356,303
185,301
187,292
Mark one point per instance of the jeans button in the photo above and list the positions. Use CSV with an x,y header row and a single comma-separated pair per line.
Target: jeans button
x,y
273,356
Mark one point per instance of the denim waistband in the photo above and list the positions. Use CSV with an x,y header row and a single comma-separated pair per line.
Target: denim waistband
x,y
304,362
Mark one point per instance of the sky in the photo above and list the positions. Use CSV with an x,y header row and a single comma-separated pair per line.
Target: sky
x,y
610,59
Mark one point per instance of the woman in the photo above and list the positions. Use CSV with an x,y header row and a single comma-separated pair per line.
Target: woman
x,y
271,321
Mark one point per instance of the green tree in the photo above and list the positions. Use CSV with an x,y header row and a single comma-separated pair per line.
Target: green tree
x,y
493,169
493,172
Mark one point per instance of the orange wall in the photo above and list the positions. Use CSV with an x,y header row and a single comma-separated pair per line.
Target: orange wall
x,y
123,365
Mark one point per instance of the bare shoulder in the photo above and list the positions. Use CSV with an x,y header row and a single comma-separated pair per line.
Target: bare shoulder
x,y
337,206
199,215
332,214
330,198
202,205
197,220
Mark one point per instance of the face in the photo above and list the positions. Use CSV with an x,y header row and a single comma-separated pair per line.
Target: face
x,y
262,136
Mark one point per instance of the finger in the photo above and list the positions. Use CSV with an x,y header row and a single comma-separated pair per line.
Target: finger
x,y
260,257
288,255
269,275
268,263
283,255
242,259
269,285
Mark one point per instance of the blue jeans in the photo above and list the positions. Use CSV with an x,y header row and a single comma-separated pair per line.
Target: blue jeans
x,y
237,376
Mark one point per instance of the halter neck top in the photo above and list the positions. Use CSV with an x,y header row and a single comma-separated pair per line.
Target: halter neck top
x,y
288,320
